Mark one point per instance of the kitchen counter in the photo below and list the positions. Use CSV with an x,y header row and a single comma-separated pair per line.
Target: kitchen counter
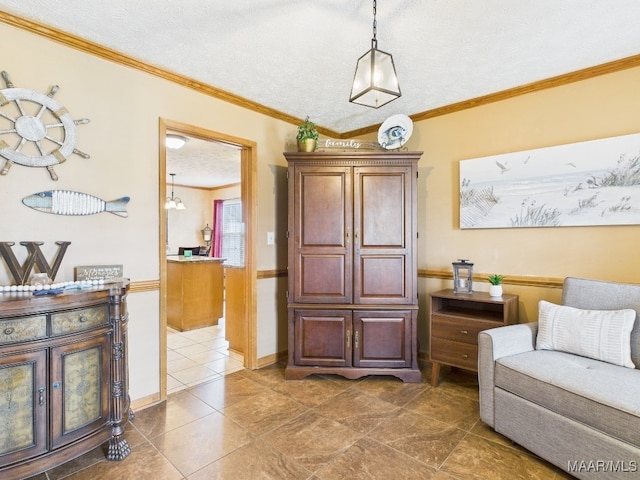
x,y
195,291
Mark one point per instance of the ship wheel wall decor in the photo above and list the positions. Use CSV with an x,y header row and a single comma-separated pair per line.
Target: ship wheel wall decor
x,y
35,130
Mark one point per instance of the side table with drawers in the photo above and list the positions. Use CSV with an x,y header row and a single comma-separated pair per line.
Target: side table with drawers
x,y
455,321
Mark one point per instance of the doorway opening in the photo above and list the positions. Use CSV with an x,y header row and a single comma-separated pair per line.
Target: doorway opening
x,y
242,295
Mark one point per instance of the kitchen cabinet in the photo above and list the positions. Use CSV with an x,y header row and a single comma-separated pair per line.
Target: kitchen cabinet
x,y
195,292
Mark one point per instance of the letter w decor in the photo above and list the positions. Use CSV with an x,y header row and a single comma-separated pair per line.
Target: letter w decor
x,y
35,257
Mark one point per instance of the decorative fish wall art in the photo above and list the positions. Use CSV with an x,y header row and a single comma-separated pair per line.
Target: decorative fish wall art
x,y
66,202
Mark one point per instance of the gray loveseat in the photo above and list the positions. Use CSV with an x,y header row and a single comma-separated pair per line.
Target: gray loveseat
x,y
580,414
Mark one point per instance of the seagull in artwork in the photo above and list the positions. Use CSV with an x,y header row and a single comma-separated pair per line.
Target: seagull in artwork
x,y
571,164
503,168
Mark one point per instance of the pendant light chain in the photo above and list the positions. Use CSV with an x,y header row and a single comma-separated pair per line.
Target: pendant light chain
x,y
374,41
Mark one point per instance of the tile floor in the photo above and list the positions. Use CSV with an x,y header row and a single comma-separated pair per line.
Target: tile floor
x,y
197,356
256,425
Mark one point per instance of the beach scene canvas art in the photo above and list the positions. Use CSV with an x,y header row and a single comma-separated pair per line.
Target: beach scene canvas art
x,y
595,182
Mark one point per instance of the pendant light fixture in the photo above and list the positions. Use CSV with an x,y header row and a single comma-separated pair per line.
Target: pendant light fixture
x,y
375,82
174,202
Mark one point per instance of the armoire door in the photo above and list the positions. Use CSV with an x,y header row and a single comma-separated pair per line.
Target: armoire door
x,y
383,236
322,219
382,339
322,338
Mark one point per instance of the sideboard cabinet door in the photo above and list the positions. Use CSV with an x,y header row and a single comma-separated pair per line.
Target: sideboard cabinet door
x,y
79,392
23,406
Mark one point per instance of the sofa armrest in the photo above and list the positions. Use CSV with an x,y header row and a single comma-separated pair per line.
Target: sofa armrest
x,y
496,343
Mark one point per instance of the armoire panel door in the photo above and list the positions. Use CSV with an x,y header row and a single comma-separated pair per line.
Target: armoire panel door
x,y
382,339
323,338
23,406
322,228
80,389
383,235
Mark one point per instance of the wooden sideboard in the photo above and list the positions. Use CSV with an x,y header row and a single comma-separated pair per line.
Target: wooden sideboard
x,y
63,377
195,292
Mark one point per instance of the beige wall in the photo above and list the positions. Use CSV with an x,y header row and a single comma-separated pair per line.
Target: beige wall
x,y
184,226
125,105
225,193
601,107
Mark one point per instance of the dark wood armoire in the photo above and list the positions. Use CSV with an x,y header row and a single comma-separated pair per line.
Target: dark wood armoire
x,y
352,292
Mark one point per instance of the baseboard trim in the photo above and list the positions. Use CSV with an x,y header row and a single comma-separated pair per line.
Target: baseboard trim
x,y
145,402
271,359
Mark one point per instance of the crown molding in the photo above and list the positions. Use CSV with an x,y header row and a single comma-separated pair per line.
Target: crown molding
x,y
93,48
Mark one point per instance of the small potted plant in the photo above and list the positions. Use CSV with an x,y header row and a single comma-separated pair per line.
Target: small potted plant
x,y
495,289
307,136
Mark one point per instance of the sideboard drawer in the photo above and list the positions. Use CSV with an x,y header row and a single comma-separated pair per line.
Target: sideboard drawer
x,y
463,355
464,330
79,320
23,329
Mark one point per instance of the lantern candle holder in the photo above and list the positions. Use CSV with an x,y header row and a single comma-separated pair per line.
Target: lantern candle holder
x,y
462,276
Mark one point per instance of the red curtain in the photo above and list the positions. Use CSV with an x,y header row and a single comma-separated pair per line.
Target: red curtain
x,y
217,228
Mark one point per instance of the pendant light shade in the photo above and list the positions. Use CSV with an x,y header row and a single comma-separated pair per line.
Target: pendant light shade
x,y
375,82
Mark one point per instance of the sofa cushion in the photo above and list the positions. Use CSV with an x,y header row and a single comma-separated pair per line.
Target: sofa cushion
x,y
598,394
599,334
598,295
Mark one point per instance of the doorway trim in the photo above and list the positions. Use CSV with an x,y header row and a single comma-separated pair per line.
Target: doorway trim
x,y
248,186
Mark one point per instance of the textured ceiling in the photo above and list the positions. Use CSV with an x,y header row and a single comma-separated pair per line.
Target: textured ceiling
x,y
298,57
202,163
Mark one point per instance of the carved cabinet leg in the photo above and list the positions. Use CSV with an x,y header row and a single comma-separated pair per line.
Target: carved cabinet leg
x,y
119,448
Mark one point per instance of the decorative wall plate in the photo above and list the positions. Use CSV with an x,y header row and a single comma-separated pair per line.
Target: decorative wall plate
x,y
395,131
35,130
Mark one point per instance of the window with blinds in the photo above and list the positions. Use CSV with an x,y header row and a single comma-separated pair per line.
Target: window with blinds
x,y
232,233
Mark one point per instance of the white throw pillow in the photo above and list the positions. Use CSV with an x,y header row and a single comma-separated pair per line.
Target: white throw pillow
x,y
599,334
